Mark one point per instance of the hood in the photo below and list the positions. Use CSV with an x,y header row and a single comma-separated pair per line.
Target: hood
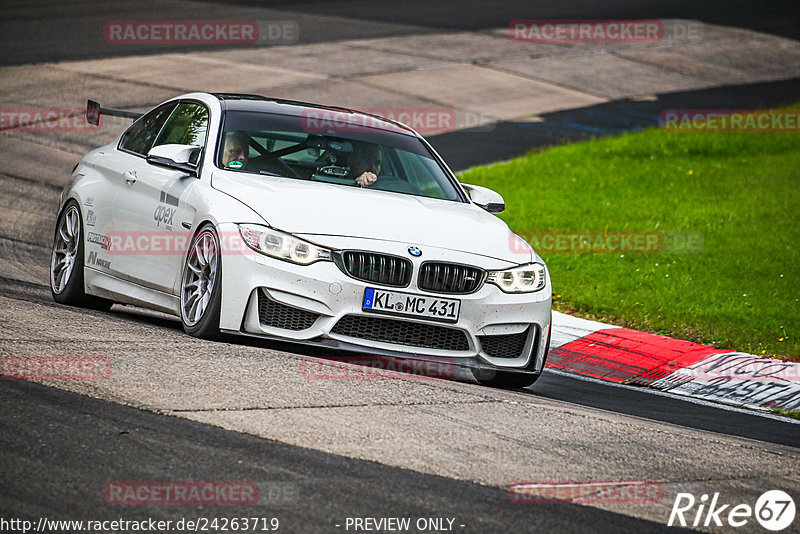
x,y
315,208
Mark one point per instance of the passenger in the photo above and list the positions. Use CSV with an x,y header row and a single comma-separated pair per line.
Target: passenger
x,y
365,163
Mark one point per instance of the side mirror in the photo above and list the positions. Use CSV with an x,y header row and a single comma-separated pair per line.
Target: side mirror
x,y
485,198
178,157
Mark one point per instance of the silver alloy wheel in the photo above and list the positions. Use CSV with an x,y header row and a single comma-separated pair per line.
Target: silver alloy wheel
x,y
199,277
65,249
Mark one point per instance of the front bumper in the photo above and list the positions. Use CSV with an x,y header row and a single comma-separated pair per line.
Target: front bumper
x,y
317,297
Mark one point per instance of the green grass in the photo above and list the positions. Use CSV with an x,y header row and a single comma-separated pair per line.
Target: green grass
x,y
788,413
740,191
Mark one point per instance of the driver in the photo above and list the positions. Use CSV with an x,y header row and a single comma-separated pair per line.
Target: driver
x,y
365,163
236,148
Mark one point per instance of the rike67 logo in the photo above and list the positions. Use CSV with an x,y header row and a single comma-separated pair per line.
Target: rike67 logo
x,y
774,510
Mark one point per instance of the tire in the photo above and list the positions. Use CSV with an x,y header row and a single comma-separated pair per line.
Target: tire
x,y
505,379
510,379
201,285
66,262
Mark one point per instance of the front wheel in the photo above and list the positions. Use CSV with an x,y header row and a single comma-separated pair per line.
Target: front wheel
x,y
510,379
201,285
66,262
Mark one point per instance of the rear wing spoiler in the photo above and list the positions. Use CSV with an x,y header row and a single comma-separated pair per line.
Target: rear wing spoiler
x,y
93,112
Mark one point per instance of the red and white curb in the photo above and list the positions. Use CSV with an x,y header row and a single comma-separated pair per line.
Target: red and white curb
x,y
631,357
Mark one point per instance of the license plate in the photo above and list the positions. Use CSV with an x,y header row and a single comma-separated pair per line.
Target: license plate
x,y
410,305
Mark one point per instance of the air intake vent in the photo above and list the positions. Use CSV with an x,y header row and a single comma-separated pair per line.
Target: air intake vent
x,y
377,268
504,345
275,314
450,278
401,332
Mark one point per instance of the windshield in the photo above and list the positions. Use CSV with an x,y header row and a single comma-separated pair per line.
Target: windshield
x,y
284,145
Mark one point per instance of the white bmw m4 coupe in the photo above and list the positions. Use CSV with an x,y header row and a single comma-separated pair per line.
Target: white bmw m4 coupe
x,y
285,220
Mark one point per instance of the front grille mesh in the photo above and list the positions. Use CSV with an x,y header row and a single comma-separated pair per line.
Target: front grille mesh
x,y
271,313
401,332
442,277
504,345
377,268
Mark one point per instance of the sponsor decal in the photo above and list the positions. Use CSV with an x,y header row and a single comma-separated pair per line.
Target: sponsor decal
x,y
164,214
94,259
91,218
757,393
170,196
739,367
173,191
89,201
99,239
736,378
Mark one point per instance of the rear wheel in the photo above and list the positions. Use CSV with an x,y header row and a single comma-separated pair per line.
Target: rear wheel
x,y
201,285
66,262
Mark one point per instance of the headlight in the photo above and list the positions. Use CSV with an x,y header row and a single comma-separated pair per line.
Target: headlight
x,y
281,245
523,279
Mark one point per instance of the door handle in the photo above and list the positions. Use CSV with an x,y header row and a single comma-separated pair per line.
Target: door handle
x,y
130,177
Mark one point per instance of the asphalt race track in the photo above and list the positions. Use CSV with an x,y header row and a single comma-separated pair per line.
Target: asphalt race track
x,y
321,451
54,31
308,491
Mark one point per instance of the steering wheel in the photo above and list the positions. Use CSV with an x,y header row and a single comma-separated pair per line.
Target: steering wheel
x,y
267,162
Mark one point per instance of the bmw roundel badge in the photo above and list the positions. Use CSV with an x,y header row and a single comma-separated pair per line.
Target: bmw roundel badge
x,y
415,251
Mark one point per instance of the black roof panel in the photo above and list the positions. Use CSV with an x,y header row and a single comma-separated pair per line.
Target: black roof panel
x,y
248,102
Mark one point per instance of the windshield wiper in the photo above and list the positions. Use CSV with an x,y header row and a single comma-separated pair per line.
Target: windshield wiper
x,y
269,173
